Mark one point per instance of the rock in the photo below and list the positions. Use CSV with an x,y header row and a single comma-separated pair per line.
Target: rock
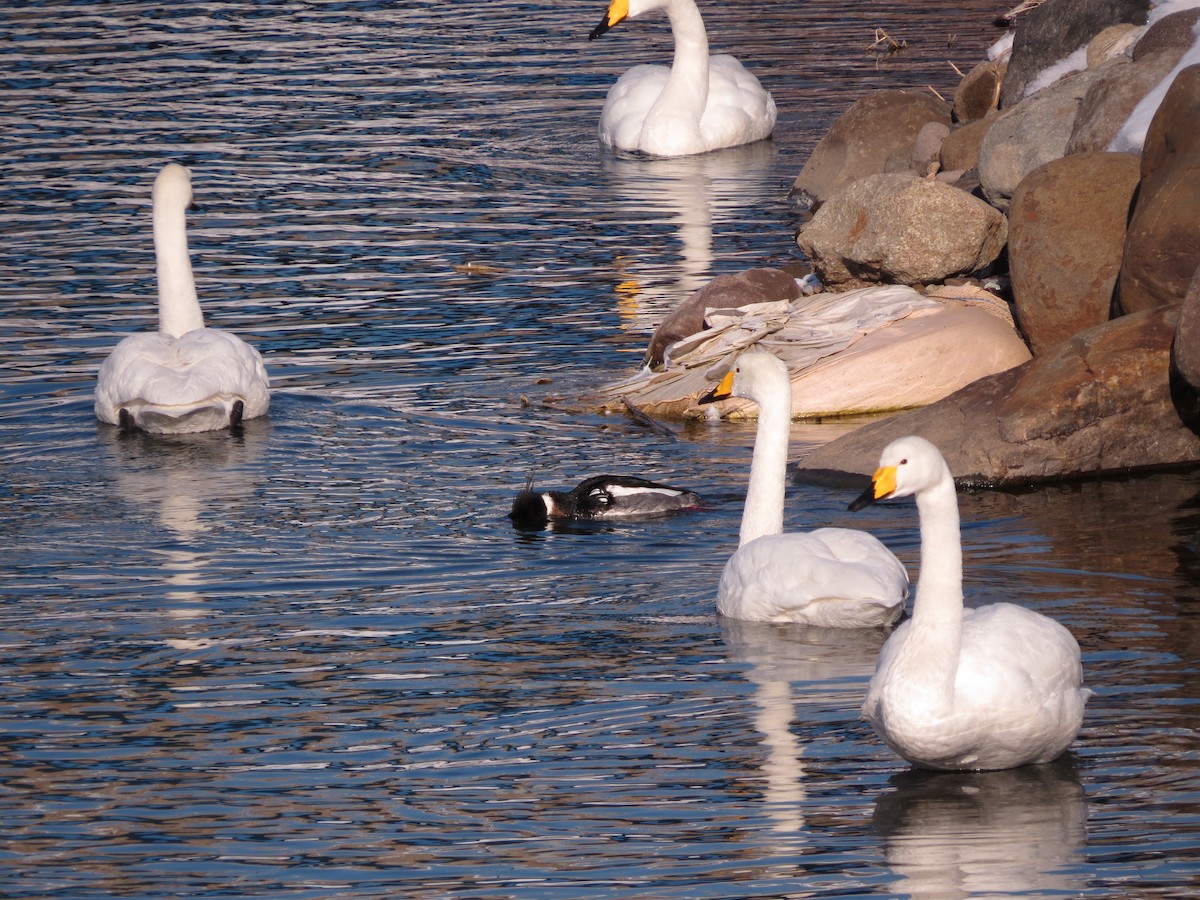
x,y
1029,135
1097,403
1185,359
1119,85
901,229
760,285
1055,30
1066,233
960,149
874,135
979,91
927,148
1173,32
1110,43
1162,246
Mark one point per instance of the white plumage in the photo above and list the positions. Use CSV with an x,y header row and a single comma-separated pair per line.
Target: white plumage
x,y
184,377
832,577
697,104
989,688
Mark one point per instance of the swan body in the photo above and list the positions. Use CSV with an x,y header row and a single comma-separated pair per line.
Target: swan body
x,y
988,688
184,377
829,577
697,104
602,497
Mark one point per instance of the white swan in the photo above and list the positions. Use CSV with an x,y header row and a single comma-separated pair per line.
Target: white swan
x,y
697,104
988,688
833,577
185,377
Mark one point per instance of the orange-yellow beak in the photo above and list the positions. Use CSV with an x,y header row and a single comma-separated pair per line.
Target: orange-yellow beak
x,y
618,11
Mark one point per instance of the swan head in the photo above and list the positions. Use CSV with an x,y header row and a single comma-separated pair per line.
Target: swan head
x,y
620,10
907,466
173,186
752,375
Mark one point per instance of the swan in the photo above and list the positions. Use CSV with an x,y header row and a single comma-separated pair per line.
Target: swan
x,y
831,577
994,687
601,497
184,377
697,104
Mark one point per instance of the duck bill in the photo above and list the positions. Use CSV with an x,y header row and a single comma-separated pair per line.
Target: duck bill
x,y
722,391
883,484
618,11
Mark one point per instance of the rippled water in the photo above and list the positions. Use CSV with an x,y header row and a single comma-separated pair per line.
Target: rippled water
x,y
315,660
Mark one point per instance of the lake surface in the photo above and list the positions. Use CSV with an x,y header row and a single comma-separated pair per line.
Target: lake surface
x,y
315,660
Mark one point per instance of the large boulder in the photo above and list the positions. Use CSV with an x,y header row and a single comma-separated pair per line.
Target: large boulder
x,y
1097,403
1029,135
1119,85
874,135
899,229
760,285
1185,359
1055,30
1162,247
1066,232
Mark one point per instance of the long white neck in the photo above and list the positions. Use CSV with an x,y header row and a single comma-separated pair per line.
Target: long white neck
x,y
763,513
938,608
676,113
178,307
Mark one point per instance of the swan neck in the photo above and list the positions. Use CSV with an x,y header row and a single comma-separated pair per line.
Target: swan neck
x,y
178,306
687,85
763,513
938,607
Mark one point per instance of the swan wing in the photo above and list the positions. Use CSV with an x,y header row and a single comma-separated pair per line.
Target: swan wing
x,y
739,110
628,103
831,577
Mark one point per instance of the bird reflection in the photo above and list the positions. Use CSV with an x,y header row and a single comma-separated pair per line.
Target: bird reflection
x,y
691,192
967,834
821,660
175,479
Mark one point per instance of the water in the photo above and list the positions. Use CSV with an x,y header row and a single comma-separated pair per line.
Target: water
x,y
315,660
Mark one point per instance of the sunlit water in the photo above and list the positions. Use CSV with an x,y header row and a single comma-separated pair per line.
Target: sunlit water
x,y
315,660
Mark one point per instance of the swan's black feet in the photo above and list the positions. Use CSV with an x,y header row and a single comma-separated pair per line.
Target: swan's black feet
x,y
125,421
236,413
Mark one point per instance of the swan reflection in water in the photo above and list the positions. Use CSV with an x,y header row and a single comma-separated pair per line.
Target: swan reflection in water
x,y
968,834
695,195
830,662
174,480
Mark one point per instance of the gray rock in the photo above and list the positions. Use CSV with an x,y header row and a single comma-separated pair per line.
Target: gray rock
x,y
874,135
1098,403
1054,31
1066,233
1029,135
1119,85
900,229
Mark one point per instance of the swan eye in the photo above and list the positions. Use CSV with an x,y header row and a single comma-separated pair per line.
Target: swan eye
x,y
903,462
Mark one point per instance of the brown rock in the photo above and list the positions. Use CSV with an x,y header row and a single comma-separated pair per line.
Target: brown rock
x,y
960,149
1172,32
724,291
1185,359
1097,403
1162,247
1066,234
900,229
979,91
874,135
1119,86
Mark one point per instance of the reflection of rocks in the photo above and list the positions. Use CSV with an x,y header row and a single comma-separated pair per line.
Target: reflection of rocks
x,y
1098,402
969,834
877,134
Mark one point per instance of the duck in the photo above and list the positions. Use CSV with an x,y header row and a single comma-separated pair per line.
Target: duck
x,y
183,378
827,577
601,497
698,104
954,688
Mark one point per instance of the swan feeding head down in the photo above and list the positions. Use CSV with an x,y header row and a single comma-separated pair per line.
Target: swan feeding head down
x,y
697,104
832,577
993,687
184,377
